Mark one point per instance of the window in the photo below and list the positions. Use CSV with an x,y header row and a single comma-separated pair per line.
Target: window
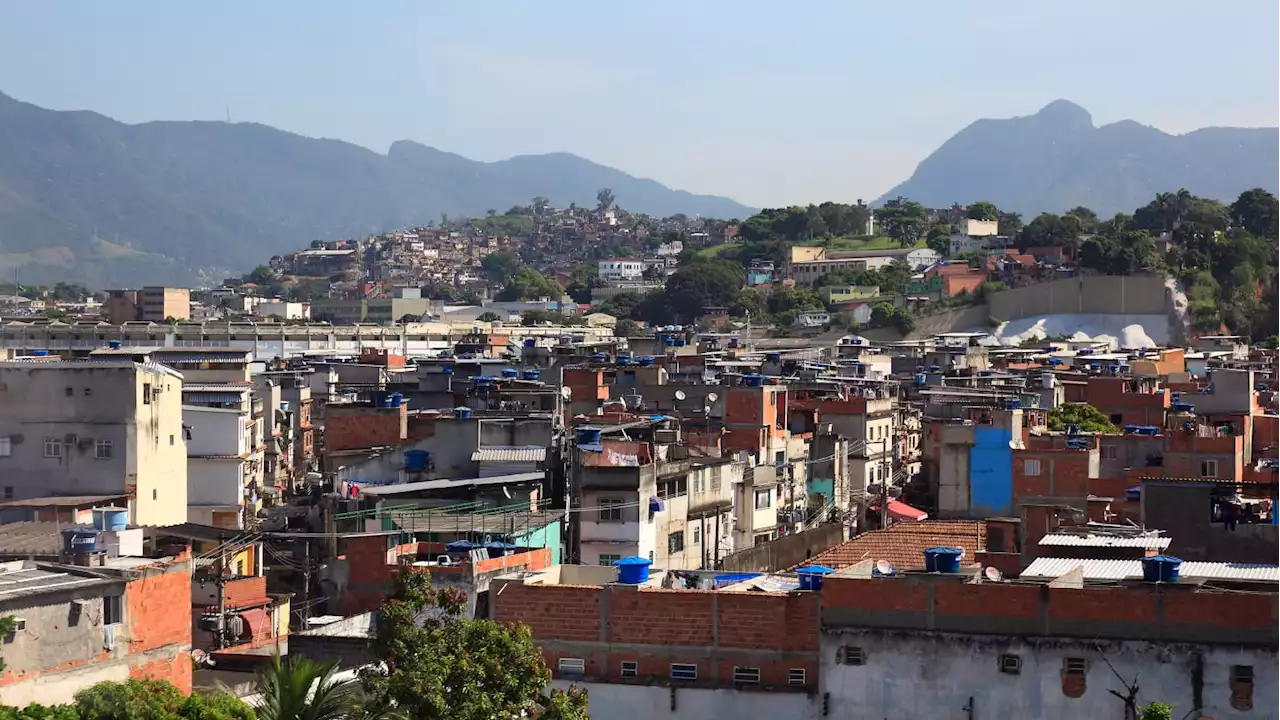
x,y
1031,466
146,393
780,458
1010,664
773,399
1108,452
795,676
572,665
682,671
1242,674
6,447
697,534
171,441
699,484
1242,687
1209,468
675,543
1074,667
8,492
112,610
995,539
629,669
764,499
88,392
675,487
609,560
52,448
102,450
851,655
746,675
70,391
1116,419
610,510
761,539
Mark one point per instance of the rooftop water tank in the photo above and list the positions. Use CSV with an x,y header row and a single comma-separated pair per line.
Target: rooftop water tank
x,y
1161,568
446,369
113,344
40,353
811,576
921,379
644,360
530,342
1133,494
530,375
114,519
395,400
415,459
79,539
510,373
943,559
588,435
773,357
600,357
752,380
633,570
462,413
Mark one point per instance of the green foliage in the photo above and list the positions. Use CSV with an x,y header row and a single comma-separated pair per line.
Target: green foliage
x,y
982,211
517,224
605,199
1256,212
440,666
1157,711
500,265
626,327
489,317
796,223
1088,417
261,275
1047,229
1009,224
143,700
702,284
1122,252
903,220
888,315
528,284
939,238
301,689
1086,218
36,711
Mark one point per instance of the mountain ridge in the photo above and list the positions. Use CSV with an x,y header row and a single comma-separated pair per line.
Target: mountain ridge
x,y
87,198
1056,159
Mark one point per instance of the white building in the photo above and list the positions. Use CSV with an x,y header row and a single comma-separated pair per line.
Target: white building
x,y
620,269
283,310
220,487
974,235
95,428
812,319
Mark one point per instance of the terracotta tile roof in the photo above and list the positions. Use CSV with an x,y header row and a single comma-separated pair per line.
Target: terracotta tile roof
x,y
904,544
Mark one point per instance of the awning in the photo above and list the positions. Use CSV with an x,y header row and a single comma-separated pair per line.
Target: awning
x,y
903,511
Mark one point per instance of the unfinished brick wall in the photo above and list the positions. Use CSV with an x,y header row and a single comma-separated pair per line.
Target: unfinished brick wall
x,y
175,670
242,592
158,610
362,426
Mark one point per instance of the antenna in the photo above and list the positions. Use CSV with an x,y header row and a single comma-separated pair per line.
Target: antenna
x,y
228,113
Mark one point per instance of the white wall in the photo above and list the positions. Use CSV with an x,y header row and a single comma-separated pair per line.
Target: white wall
x,y
936,676
215,482
641,702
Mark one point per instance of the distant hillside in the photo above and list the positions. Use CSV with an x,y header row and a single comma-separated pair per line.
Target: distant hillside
x,y
86,198
1056,160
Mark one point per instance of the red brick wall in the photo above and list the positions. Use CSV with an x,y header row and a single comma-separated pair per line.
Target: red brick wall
x,y
245,591
176,670
1266,433
351,428
159,610
1063,474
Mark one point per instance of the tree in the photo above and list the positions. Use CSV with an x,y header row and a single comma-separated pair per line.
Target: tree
x,y
939,238
261,275
440,666
528,284
604,199
152,700
1157,711
1087,417
626,327
488,317
1256,211
1009,224
302,689
703,284
1087,218
983,211
903,220
500,265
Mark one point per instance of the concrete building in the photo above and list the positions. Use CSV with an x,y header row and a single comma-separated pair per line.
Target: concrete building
x,y
806,264
95,428
378,311
150,304
974,235
282,310
222,487
620,269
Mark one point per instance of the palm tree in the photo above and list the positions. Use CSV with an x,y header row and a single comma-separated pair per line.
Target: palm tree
x,y
302,689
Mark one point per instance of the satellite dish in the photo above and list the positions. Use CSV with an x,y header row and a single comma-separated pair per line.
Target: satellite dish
x,y
884,567
993,574
681,395
566,392
706,409
712,397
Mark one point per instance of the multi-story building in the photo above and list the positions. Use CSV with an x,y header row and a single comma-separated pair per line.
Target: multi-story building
x,y
620,269
150,304
95,428
806,264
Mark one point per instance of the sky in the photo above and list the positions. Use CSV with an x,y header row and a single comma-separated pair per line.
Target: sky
x,y
768,103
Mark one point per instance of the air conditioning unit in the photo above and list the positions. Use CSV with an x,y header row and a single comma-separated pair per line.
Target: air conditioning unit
x,y
70,439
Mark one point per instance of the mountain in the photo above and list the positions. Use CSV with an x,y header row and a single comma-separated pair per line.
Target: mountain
x,y
86,198
1056,160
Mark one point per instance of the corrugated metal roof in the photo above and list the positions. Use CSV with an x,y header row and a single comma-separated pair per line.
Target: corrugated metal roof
x,y
510,454
33,581
1147,542
1095,569
426,485
217,387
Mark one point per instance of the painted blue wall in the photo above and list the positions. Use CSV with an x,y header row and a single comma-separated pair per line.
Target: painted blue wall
x,y
826,486
991,472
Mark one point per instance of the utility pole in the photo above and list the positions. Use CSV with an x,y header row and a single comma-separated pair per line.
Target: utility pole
x,y
220,641
716,558
884,490
306,581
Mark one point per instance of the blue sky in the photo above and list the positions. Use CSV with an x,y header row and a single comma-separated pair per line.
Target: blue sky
x,y
767,102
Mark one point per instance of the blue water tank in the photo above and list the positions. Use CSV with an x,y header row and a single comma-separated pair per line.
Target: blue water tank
x,y
1073,429
40,353
483,382
773,357
461,547
79,539
921,379
588,435
752,380
395,400
531,375
811,576
1161,568
446,369
943,559
1133,494
632,570
510,373
669,341
625,361
113,344
415,459
579,338
462,413
679,342
110,518
1184,407
644,360
530,342
600,357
